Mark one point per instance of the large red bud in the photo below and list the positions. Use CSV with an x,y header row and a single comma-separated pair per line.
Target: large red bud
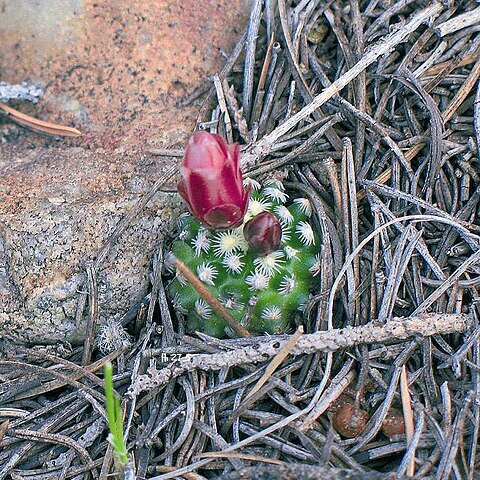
x,y
212,183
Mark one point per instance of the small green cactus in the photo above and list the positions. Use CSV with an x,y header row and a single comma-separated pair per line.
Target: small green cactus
x,y
260,292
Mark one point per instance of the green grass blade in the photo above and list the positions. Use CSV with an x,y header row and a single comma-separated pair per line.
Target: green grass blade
x,y
114,417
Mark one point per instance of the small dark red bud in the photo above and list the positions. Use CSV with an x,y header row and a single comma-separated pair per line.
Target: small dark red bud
x,y
263,233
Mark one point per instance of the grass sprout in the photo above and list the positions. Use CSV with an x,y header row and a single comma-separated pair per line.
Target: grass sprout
x,y
114,417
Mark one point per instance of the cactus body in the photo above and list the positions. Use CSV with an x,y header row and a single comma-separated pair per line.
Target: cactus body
x,y
260,292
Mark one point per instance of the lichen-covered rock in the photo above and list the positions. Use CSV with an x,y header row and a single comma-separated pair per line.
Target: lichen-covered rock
x,y
59,222
260,292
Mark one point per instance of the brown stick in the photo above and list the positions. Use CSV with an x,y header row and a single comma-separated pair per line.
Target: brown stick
x,y
211,299
397,329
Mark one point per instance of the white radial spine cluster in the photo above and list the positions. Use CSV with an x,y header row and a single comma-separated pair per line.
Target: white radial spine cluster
x,y
201,243
233,263
290,252
269,264
317,266
112,336
271,313
207,273
183,235
257,281
178,305
169,263
286,232
304,205
305,233
258,206
275,194
284,214
228,242
231,302
180,278
250,181
273,182
203,309
287,284
181,219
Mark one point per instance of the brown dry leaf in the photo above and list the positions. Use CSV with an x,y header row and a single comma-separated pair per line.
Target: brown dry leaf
x,y
407,415
39,125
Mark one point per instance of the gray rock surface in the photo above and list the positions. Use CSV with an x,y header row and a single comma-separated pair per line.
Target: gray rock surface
x,y
70,204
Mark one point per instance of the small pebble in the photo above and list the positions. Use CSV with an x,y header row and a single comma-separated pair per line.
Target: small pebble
x,y
349,420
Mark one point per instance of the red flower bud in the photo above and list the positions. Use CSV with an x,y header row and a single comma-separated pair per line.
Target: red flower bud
x,y
263,233
212,184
